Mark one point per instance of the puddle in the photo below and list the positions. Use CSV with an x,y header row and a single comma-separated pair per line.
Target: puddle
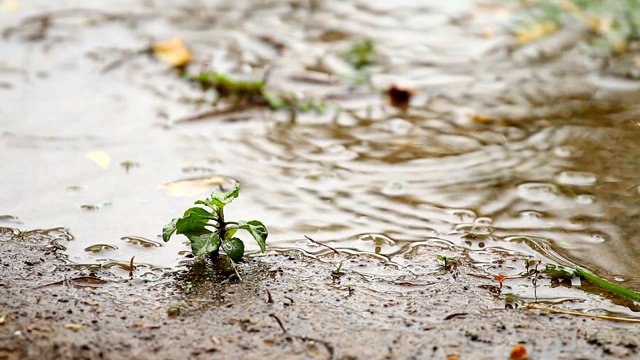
x,y
493,157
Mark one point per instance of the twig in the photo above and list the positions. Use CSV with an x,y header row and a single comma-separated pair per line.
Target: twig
x,y
131,267
233,265
321,244
329,347
217,112
284,331
558,311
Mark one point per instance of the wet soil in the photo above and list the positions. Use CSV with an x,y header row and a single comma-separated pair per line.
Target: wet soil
x,y
288,306
470,172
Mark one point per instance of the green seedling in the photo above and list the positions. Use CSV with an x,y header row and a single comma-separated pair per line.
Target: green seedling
x,y
236,90
127,165
450,263
208,230
361,54
338,270
254,93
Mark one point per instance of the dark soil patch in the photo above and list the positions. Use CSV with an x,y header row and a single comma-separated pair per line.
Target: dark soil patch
x,y
288,306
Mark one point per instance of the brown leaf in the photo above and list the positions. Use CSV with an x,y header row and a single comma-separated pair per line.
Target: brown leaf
x,y
400,96
146,326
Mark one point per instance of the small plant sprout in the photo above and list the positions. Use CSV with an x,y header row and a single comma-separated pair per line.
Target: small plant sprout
x,y
208,230
338,270
500,277
450,263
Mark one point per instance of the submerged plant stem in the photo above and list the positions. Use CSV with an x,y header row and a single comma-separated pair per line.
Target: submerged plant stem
x,y
614,288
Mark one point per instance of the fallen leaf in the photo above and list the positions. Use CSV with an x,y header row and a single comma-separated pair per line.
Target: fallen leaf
x,y
485,120
535,32
519,353
10,5
3,319
173,52
101,158
74,327
146,326
400,96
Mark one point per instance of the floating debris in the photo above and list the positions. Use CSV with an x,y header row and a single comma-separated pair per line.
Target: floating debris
x,y
139,240
100,247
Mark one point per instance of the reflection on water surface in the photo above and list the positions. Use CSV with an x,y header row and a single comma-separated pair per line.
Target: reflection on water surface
x,y
499,153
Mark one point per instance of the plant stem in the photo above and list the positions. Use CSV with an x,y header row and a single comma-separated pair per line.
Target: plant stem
x,y
614,288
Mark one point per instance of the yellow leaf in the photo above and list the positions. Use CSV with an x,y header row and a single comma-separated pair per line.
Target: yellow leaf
x,y
101,158
535,32
10,5
74,327
173,52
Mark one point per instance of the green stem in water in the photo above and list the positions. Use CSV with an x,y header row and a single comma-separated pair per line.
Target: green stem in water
x,y
614,288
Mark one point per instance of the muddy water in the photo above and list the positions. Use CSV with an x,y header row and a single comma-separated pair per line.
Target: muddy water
x,y
504,150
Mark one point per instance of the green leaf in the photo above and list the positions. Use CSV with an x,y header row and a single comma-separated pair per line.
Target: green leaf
x,y
169,229
193,221
222,199
230,232
234,247
275,101
257,230
209,204
205,243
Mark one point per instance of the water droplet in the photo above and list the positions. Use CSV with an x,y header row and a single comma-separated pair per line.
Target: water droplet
x,y
463,214
564,151
538,191
531,214
399,126
577,178
138,240
395,188
585,199
100,247
486,221
474,229
598,238
318,180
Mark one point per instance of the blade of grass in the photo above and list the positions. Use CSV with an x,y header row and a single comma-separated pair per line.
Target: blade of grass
x,y
614,288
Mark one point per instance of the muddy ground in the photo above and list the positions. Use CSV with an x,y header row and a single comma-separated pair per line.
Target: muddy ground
x,y
288,306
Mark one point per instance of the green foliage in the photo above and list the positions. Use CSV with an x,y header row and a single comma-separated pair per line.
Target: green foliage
x,y
338,268
613,24
564,272
254,93
450,263
208,231
361,54
614,288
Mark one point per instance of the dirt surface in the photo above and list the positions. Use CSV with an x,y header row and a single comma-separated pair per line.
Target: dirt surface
x,y
80,79
288,306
